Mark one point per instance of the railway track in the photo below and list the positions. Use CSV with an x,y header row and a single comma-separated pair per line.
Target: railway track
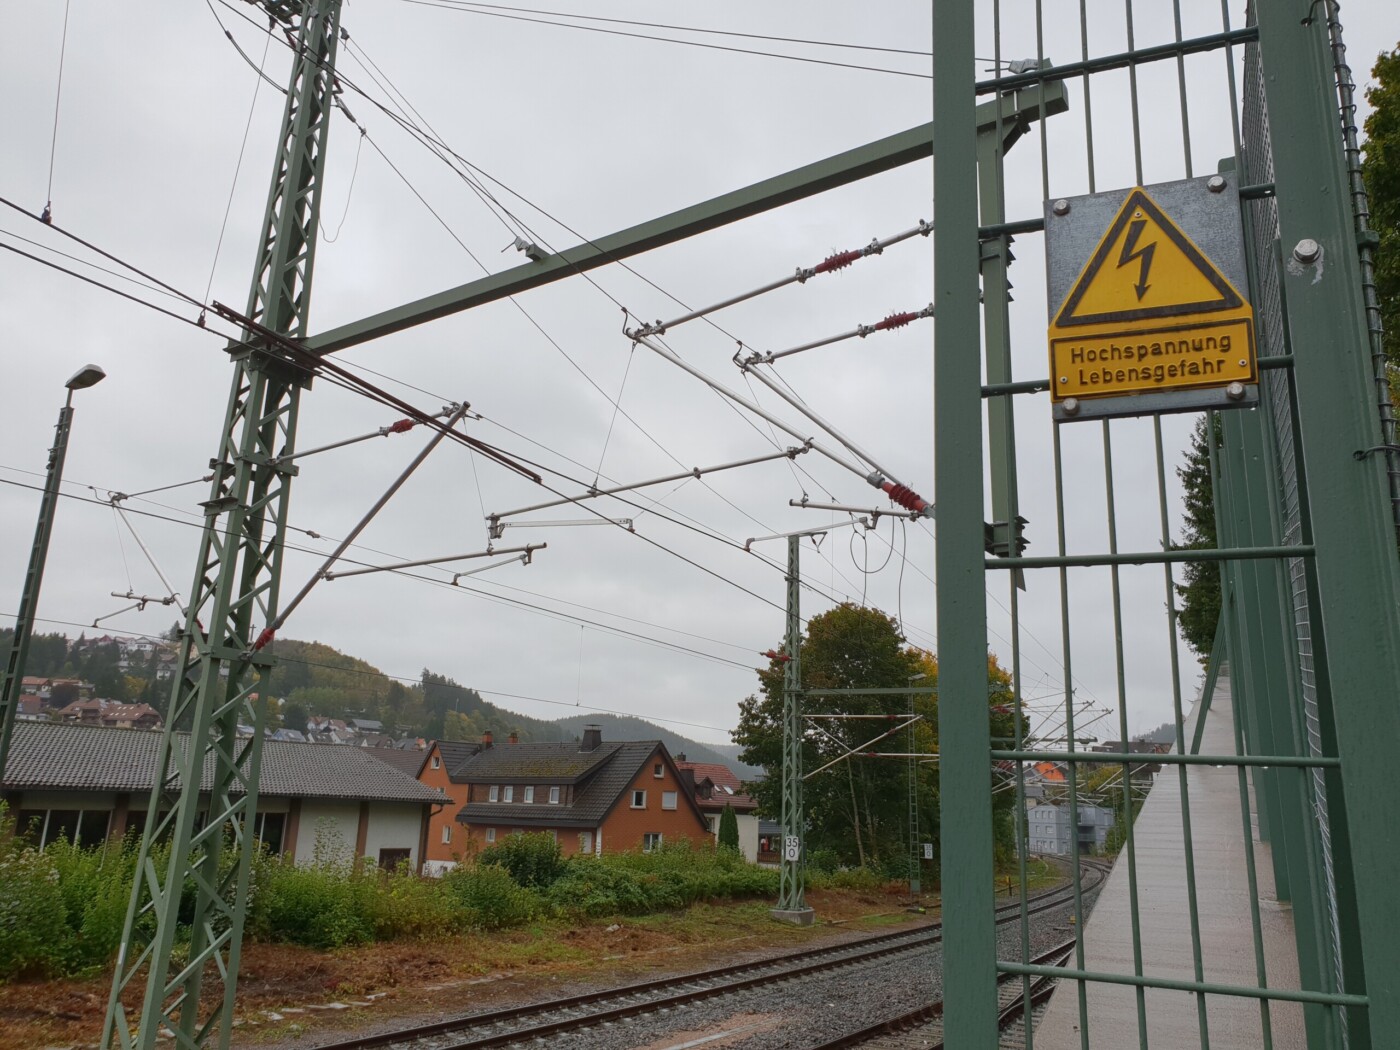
x,y
922,1029
546,1021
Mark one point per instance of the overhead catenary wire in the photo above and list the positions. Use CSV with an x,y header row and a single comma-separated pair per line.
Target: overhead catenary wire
x,y
443,152
833,263
444,4
242,146
697,29
57,100
488,596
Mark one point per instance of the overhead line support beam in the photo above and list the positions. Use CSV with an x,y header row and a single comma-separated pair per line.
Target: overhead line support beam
x,y
1012,112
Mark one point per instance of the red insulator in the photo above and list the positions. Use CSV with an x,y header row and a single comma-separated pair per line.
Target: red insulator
x,y
402,425
895,321
267,635
780,657
839,261
904,496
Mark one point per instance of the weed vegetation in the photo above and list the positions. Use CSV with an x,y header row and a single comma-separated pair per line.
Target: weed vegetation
x,y
62,910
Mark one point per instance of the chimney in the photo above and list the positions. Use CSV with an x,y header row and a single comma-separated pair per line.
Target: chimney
x,y
514,737
680,757
486,739
592,738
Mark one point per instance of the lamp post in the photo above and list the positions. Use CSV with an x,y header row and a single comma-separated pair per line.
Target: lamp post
x,y
87,376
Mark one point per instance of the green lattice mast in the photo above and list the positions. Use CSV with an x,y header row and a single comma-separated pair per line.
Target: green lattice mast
x,y
235,594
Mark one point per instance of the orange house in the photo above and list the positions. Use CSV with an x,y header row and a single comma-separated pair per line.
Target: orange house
x,y
592,796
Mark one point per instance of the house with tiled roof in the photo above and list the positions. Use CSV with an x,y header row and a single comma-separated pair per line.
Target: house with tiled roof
x,y
86,783
590,794
131,716
715,787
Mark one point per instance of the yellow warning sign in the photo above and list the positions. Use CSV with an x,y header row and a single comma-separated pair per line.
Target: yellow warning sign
x,y
1149,313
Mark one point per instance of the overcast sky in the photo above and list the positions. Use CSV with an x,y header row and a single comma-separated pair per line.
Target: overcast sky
x,y
600,131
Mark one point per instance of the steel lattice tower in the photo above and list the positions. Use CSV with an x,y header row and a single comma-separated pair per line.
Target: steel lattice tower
x,y
235,592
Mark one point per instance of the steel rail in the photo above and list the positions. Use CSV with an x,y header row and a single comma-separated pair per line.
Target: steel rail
x,y
1040,990
879,946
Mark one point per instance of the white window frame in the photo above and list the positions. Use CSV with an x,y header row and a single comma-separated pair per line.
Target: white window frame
x,y
635,803
437,762
554,796
658,770
508,795
446,834
529,792
490,834
494,795
669,799
660,838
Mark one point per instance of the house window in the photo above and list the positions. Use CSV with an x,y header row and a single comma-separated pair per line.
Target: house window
x,y
554,796
585,842
668,800
650,841
639,800
530,793
270,829
495,794
490,834
658,771
509,795
390,859
446,834
437,762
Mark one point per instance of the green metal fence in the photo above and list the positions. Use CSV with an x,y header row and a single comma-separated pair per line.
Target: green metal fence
x,y
1249,903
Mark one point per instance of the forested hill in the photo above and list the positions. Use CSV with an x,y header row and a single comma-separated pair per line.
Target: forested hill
x,y
625,727
311,678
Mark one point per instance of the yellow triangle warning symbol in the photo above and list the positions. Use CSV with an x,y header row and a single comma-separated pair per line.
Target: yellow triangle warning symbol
x,y
1145,268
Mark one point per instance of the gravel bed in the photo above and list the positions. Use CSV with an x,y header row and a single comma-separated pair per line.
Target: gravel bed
x,y
801,1013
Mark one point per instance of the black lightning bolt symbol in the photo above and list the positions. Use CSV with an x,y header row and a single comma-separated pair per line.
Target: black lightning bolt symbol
x,y
1144,255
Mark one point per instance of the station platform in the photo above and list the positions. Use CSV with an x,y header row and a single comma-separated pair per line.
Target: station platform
x,y
1227,943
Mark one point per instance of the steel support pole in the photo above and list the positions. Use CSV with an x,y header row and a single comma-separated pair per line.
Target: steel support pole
x,y
1356,570
33,579
205,838
969,927
792,901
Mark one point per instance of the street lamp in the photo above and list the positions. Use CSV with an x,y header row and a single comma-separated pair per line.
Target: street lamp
x,y
88,375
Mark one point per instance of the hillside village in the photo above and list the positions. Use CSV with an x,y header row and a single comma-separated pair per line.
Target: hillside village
x,y
315,694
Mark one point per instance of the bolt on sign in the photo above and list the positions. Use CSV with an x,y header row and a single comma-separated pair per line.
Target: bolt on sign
x,y
1146,298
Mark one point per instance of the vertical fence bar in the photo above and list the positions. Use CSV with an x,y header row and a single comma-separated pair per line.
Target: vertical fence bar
x,y
1358,578
969,931
1227,637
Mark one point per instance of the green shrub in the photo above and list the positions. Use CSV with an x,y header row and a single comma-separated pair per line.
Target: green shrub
x,y
34,936
673,876
318,905
533,860
728,828
95,885
848,879
488,898
409,906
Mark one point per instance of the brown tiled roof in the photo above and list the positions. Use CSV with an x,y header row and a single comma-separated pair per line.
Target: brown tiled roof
x,y
537,763
722,777
407,762
455,754
594,796
96,758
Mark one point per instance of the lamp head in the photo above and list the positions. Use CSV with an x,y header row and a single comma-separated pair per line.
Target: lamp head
x,y
88,375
